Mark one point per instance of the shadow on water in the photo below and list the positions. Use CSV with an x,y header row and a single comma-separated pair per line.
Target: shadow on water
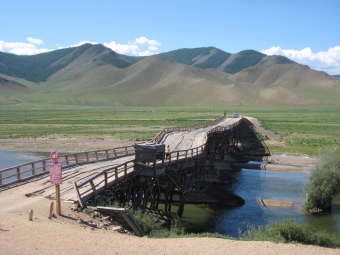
x,y
259,184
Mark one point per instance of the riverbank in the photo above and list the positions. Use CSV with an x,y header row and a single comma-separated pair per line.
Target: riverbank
x,y
68,234
62,145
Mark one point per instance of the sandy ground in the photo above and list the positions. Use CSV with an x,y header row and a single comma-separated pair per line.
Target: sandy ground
x,y
62,145
64,235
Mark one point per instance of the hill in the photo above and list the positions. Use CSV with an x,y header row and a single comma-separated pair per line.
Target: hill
x,y
95,75
8,87
211,57
290,75
38,68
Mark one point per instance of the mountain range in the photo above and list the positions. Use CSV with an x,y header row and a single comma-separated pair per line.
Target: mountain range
x,y
95,75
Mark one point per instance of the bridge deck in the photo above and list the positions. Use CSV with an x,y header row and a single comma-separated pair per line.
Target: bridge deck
x,y
83,173
193,138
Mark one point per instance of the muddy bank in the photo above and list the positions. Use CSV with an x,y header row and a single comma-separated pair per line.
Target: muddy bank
x,y
276,167
63,145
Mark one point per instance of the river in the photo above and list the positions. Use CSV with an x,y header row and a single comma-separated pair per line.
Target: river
x,y
252,185
14,158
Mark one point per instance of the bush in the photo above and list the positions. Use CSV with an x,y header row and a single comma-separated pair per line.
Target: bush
x,y
324,182
154,228
148,222
290,232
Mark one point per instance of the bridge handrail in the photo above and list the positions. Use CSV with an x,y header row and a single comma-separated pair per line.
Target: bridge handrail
x,y
186,128
100,181
22,171
115,173
186,155
31,169
220,129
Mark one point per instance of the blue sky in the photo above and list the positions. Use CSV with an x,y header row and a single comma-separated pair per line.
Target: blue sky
x,y
306,31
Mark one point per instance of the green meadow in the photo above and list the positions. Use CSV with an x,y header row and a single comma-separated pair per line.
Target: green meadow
x,y
304,129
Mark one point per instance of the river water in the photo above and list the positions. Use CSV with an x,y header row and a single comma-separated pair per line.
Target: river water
x,y
251,185
15,158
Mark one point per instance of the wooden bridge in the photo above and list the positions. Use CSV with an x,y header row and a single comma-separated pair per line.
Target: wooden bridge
x,y
141,175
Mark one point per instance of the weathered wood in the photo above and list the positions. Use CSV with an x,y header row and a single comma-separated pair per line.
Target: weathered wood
x,y
57,194
78,195
105,177
188,155
66,160
30,217
51,211
127,215
93,188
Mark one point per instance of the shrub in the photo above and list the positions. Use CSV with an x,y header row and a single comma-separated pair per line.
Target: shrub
x,y
148,222
324,182
154,228
290,232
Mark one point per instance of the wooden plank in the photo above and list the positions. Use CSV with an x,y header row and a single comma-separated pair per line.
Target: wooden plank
x,y
93,188
127,215
78,194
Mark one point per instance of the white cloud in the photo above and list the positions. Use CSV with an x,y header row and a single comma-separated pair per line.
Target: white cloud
x,y
141,46
34,40
83,42
22,48
328,61
132,48
151,44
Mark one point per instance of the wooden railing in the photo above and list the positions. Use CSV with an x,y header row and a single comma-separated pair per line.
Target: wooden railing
x,y
31,169
102,181
177,157
222,129
187,128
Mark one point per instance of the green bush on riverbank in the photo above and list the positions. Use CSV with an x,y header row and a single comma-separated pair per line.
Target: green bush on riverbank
x,y
290,232
286,232
324,182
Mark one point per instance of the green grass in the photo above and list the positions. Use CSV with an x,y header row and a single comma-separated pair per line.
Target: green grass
x,y
304,129
289,232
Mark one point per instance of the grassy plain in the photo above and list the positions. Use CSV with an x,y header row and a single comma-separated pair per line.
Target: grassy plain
x,y
304,129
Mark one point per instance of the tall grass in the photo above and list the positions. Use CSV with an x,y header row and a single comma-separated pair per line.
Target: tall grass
x,y
153,227
290,232
324,182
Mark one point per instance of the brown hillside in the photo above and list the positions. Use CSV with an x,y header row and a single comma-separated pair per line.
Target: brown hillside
x,y
155,81
286,75
282,96
86,63
8,87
